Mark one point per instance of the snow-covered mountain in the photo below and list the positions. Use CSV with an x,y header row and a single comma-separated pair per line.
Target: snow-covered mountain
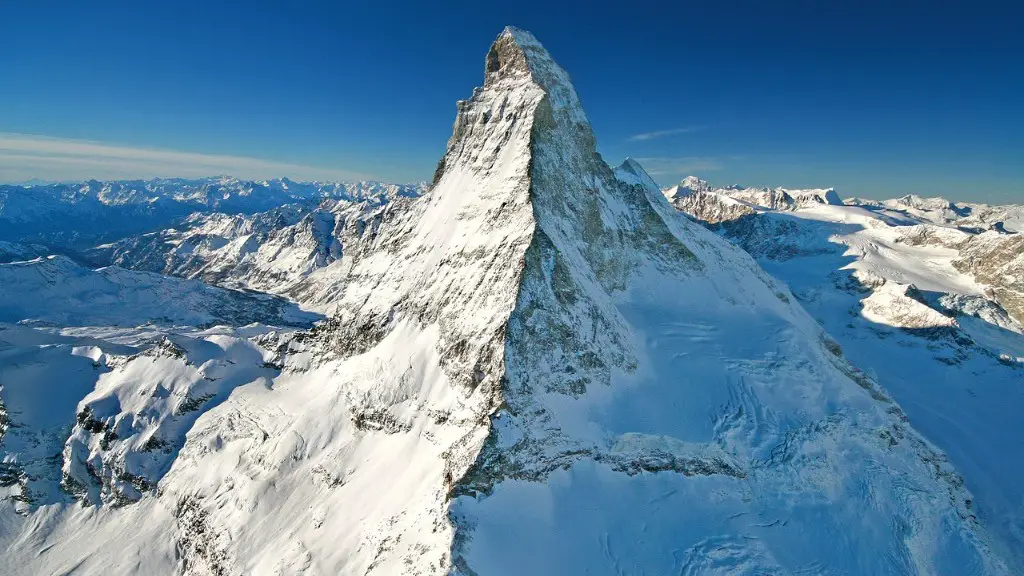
x,y
56,291
966,215
538,366
988,256
272,251
933,309
80,215
67,334
15,251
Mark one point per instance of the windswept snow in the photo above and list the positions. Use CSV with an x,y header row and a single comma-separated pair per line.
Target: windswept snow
x,y
538,366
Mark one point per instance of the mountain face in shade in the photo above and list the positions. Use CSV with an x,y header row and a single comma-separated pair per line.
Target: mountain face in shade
x,y
928,301
537,367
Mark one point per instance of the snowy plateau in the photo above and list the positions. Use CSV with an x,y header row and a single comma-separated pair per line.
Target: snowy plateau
x,y
535,364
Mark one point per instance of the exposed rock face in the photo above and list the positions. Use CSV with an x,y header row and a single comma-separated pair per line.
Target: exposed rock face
x,y
736,212
931,235
537,367
902,306
707,204
997,260
979,307
784,199
611,277
694,197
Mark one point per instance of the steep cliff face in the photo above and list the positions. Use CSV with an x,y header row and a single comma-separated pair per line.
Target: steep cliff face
x,y
655,372
347,439
387,403
537,367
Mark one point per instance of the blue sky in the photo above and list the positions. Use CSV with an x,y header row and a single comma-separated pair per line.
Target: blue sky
x,y
874,98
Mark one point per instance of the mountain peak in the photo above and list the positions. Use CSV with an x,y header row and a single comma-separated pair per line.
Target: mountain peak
x,y
631,172
517,54
507,57
539,337
519,75
695,184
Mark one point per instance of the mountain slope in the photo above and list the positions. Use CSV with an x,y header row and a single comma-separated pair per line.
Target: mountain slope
x,y
272,251
648,365
56,291
902,299
537,367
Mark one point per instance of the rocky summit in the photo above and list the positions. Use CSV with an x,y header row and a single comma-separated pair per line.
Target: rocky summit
x,y
537,366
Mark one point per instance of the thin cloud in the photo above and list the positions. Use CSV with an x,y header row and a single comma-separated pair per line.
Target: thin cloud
x,y
24,156
684,165
662,133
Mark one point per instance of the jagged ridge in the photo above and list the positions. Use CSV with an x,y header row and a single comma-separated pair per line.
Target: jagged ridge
x,y
537,335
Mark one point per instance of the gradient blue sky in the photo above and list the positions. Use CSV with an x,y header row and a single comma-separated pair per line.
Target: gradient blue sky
x,y
875,98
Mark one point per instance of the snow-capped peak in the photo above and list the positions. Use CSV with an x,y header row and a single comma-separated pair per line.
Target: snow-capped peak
x,y
529,366
921,202
694,183
631,171
516,54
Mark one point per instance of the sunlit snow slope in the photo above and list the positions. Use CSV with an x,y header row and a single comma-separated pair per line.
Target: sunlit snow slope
x,y
538,367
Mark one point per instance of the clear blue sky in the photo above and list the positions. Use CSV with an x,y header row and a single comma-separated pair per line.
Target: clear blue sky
x,y
875,98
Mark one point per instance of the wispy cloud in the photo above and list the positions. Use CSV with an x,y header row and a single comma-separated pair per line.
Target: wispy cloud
x,y
662,133
25,156
680,166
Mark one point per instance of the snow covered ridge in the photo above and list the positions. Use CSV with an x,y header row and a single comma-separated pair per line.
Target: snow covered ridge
x,y
734,201
271,251
987,250
77,215
971,217
537,367
924,301
976,217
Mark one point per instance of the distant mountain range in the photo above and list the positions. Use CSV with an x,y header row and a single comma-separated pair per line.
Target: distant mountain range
x,y
80,215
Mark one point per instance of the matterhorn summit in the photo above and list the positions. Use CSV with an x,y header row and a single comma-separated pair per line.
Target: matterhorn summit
x,y
539,366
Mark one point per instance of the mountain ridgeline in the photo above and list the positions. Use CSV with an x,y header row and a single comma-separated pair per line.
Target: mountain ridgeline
x,y
536,366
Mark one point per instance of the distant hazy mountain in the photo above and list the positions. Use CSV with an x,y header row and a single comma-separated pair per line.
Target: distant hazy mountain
x,y
79,215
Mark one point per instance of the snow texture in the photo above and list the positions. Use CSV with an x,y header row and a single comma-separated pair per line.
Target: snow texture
x,y
538,366
930,308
